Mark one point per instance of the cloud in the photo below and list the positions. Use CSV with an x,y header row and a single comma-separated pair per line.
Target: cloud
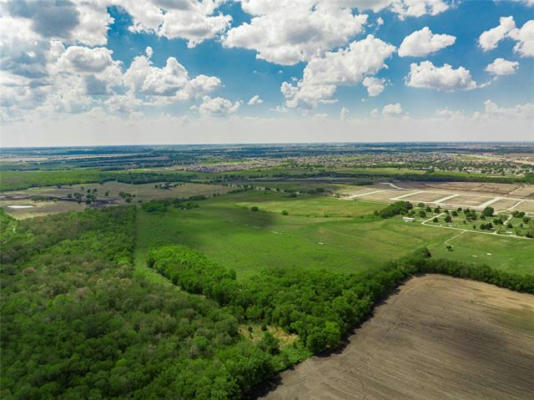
x,y
84,59
524,36
491,123
519,111
87,21
172,82
287,32
391,110
500,67
194,21
22,51
423,42
255,100
445,78
525,39
77,79
449,114
217,106
528,3
489,39
347,66
404,8
343,113
50,18
374,86
93,22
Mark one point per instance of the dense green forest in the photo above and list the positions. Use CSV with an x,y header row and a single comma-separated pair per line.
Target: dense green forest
x,y
77,323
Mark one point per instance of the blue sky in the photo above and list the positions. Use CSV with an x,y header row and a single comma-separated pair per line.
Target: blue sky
x,y
245,76
307,61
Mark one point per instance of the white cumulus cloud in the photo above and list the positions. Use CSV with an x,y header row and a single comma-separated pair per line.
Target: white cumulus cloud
x,y
519,111
192,20
489,39
500,66
523,36
287,31
347,66
445,78
171,81
525,39
374,86
391,110
423,42
255,100
216,106
404,8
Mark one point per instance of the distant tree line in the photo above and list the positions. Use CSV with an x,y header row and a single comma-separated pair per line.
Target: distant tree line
x,y
180,203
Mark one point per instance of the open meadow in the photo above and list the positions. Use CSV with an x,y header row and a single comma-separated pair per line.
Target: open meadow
x,y
318,232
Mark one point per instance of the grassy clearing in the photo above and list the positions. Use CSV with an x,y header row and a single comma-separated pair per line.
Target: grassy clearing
x,y
255,333
249,241
499,252
228,232
316,206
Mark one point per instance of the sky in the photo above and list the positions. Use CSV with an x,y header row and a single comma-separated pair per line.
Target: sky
x,y
99,72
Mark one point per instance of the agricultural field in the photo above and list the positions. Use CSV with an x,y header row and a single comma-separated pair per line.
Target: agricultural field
x,y
438,337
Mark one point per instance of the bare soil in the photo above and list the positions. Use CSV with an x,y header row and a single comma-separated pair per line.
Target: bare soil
x,y
437,338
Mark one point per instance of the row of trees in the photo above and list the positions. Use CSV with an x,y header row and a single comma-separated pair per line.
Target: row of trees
x,y
319,306
180,203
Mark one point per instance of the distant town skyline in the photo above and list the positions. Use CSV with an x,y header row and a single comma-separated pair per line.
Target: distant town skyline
x,y
112,72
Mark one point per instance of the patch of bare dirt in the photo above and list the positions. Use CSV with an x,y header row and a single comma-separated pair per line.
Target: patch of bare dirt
x,y
437,338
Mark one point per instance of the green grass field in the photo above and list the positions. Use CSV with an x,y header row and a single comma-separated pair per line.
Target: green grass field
x,y
350,239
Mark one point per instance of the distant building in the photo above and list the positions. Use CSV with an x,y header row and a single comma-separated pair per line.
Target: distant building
x,y
408,219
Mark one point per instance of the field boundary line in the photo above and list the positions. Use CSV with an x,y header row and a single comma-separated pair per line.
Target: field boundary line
x,y
452,196
515,205
407,195
489,202
354,196
392,185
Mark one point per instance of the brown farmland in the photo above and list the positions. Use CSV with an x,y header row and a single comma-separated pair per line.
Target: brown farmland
x,y
437,338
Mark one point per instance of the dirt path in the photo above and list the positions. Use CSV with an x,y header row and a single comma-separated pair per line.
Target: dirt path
x,y
438,338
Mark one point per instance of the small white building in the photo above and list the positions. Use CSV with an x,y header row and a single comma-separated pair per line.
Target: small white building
x,y
408,219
